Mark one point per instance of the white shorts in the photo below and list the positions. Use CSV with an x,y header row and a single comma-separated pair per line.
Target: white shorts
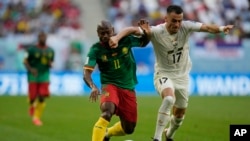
x,y
162,82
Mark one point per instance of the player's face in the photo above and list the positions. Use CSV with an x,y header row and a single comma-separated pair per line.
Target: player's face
x,y
174,22
42,38
104,34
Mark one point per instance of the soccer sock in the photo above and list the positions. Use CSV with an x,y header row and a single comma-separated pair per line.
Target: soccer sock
x,y
116,130
99,129
163,116
175,123
39,107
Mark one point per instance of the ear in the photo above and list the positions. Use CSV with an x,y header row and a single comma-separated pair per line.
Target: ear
x,y
166,18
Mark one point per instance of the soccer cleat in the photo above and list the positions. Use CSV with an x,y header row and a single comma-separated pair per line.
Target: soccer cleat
x,y
37,122
154,139
165,133
106,139
31,110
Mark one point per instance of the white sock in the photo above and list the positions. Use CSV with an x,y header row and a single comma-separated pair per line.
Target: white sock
x,y
163,116
175,123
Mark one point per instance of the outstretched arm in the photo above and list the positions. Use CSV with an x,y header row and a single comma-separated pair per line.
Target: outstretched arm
x,y
211,28
143,30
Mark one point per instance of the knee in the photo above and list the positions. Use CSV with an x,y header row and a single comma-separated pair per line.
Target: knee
x,y
169,100
41,99
107,115
129,130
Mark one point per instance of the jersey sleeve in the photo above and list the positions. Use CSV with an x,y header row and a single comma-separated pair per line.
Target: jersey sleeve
x,y
192,26
135,41
91,59
52,54
157,29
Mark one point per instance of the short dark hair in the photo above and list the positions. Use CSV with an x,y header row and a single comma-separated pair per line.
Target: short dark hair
x,y
174,8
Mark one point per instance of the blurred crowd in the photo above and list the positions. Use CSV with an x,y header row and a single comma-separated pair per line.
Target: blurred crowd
x,y
31,16
22,20
237,12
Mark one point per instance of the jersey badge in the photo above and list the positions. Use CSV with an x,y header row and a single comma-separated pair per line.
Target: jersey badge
x,y
104,58
50,55
125,50
37,55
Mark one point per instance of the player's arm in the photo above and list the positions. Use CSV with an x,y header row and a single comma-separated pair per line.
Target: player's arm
x,y
88,80
211,28
143,30
87,77
28,66
52,59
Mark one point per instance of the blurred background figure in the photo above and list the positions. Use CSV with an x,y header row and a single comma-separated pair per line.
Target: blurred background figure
x,y
38,61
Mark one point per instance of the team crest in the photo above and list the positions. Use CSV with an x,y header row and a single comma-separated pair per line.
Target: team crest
x,y
104,58
125,50
37,55
50,55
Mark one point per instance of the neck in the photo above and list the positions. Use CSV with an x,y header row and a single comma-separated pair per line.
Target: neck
x,y
41,45
169,31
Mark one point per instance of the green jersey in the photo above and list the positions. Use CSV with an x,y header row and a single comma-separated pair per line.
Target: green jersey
x,y
117,66
40,59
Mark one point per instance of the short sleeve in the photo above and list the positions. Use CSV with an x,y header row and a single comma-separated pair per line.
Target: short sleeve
x,y
91,58
192,25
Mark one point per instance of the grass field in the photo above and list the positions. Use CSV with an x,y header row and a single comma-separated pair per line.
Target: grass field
x,y
72,118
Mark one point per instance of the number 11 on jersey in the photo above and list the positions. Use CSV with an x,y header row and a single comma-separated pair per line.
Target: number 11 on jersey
x,y
117,64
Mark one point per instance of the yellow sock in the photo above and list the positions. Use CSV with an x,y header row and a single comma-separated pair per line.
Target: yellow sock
x,y
39,107
99,129
116,130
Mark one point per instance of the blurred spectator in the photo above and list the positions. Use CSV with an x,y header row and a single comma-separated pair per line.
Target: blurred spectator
x,y
75,59
220,12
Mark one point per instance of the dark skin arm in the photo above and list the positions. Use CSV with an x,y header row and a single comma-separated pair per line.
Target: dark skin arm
x,y
88,80
29,68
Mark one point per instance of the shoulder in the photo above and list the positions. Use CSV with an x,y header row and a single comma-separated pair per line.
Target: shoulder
x,y
95,47
190,24
50,48
158,28
31,48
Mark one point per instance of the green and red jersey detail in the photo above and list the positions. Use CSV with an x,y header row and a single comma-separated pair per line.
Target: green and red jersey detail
x,y
40,59
117,66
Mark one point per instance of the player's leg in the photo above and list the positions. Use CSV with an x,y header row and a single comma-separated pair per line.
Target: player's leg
x,y
178,112
165,88
127,111
43,92
109,100
32,93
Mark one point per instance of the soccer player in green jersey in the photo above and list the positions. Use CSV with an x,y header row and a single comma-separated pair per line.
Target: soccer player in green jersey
x,y
118,79
38,63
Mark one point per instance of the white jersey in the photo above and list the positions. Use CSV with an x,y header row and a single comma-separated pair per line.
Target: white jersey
x,y
172,51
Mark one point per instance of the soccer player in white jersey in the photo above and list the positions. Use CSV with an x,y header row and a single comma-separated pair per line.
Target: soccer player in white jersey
x,y
172,66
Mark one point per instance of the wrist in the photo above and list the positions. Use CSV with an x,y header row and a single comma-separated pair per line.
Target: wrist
x,y
221,28
92,85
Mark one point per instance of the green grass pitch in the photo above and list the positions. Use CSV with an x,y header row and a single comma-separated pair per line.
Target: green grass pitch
x,y
70,118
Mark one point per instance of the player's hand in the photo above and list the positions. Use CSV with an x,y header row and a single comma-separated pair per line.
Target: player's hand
x,y
144,26
33,71
113,42
227,28
94,94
